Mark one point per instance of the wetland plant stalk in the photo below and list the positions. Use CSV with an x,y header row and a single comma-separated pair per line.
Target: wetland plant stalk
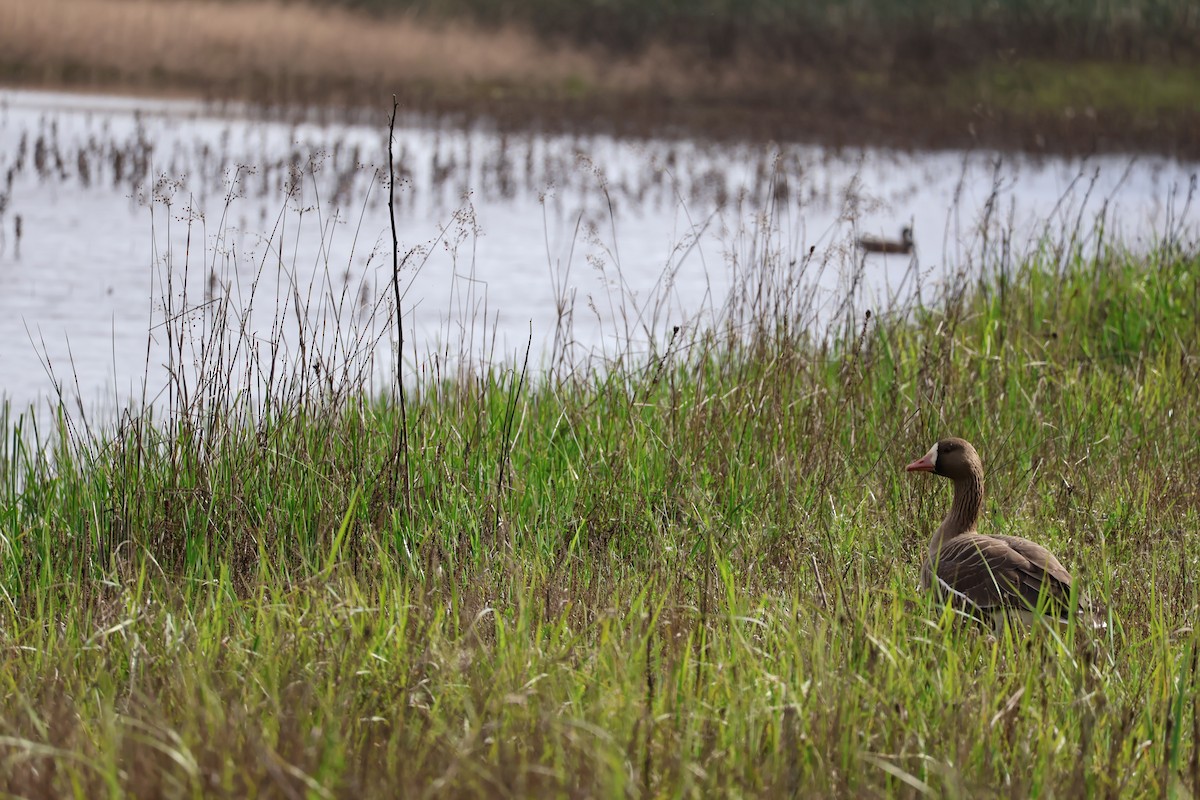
x,y
511,413
402,447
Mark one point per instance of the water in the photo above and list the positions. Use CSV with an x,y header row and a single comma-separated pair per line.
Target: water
x,y
138,217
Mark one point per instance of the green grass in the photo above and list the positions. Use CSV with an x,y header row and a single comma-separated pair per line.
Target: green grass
x,y
1042,86
817,30
690,574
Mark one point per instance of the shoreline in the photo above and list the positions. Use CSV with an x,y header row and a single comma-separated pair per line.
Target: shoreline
x,y
721,119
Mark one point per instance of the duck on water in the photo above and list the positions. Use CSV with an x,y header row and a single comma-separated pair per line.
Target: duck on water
x,y
873,244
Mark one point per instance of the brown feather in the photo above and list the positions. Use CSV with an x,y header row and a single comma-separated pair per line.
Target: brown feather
x,y
991,574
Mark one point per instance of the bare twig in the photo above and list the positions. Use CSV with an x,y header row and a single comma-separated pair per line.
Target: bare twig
x,y
401,451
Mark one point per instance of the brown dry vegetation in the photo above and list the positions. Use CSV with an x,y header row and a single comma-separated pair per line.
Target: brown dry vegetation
x,y
230,47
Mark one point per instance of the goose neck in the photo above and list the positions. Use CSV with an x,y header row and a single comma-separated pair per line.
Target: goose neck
x,y
964,510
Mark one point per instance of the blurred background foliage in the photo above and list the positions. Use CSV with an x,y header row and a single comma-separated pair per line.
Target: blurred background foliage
x,y
937,31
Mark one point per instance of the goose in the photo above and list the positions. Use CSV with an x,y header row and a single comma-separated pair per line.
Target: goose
x,y
872,244
990,576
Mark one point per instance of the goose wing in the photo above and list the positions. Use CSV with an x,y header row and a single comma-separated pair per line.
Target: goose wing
x,y
1039,557
1058,581
991,573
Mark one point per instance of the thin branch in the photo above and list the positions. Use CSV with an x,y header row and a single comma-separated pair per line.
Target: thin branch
x,y
401,447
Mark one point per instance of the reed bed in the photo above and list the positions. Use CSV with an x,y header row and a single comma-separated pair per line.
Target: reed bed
x,y
251,48
686,570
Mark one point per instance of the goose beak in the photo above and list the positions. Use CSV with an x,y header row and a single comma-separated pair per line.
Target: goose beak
x,y
922,464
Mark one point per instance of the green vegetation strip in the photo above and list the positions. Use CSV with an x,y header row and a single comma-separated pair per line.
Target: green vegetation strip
x,y
694,576
816,30
1048,87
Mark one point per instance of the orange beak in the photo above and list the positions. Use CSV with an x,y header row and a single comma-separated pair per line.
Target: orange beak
x,y
922,464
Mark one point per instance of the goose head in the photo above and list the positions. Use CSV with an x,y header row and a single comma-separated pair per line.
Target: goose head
x,y
951,458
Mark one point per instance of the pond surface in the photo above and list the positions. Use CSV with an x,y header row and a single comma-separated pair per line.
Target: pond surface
x,y
130,228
